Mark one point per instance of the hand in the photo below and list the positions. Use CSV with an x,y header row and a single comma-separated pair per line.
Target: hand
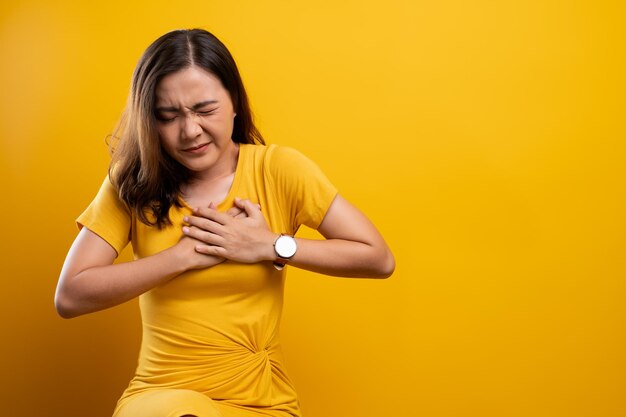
x,y
187,245
186,249
245,239
235,211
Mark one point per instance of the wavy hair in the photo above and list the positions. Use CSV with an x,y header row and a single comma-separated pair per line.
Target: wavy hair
x,y
147,178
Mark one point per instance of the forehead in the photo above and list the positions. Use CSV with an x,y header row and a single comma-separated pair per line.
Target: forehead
x,y
189,85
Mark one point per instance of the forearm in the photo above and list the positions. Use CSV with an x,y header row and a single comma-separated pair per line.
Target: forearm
x,y
100,287
343,258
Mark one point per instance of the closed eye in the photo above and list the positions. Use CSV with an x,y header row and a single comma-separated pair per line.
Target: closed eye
x,y
164,119
205,112
169,115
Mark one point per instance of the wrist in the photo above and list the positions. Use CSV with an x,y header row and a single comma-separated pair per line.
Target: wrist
x,y
180,261
285,247
269,254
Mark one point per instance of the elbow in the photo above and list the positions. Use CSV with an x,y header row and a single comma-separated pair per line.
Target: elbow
x,y
65,307
63,310
389,265
385,266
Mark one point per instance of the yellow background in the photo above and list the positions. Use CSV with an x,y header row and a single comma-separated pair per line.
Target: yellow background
x,y
486,140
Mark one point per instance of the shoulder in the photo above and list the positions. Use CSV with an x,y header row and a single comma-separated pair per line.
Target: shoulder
x,y
291,169
108,216
268,151
274,159
110,193
280,157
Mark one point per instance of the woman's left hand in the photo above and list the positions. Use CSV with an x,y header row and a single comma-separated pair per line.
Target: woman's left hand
x,y
246,239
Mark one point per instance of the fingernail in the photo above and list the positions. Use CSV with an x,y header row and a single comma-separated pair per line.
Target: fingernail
x,y
185,230
185,219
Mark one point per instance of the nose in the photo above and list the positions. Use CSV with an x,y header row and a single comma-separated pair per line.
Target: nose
x,y
190,128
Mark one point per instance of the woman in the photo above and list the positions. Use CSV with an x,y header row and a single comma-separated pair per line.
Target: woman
x,y
210,212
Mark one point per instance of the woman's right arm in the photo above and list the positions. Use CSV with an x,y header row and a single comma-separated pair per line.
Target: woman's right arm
x,y
90,281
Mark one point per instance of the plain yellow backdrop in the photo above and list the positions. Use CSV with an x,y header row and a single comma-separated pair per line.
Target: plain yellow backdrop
x,y
485,139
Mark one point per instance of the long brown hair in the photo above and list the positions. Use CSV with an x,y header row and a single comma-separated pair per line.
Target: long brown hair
x,y
147,178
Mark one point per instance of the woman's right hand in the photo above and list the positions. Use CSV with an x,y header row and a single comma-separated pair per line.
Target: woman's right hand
x,y
90,281
186,251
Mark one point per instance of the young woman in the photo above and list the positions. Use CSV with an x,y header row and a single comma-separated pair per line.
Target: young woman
x,y
210,212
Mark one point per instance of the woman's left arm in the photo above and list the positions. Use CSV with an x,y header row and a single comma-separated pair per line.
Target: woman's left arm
x,y
353,247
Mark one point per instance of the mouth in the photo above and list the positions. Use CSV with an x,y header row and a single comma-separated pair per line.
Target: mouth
x,y
196,149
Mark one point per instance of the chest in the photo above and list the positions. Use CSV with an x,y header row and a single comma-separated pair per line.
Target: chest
x,y
205,193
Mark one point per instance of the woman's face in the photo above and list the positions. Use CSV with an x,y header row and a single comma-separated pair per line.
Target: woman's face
x,y
195,116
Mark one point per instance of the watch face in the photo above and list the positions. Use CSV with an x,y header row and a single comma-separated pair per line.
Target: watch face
x,y
285,247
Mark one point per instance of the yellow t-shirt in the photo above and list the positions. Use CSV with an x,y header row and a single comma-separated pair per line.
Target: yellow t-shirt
x,y
215,331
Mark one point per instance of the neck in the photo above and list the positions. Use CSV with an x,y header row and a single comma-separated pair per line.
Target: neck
x,y
224,167
213,186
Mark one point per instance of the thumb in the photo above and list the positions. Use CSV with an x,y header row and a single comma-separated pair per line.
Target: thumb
x,y
251,209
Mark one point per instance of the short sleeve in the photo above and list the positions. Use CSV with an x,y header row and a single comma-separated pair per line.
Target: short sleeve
x,y
305,193
108,217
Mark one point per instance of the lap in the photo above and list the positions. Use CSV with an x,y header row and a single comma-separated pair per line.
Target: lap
x,y
169,403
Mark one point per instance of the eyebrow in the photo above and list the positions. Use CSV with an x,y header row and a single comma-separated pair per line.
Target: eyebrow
x,y
194,107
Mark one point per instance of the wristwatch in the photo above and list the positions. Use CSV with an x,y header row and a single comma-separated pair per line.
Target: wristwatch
x,y
285,247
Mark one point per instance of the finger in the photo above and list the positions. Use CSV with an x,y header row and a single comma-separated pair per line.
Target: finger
x,y
212,214
203,224
241,203
252,209
237,213
210,250
234,211
202,236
